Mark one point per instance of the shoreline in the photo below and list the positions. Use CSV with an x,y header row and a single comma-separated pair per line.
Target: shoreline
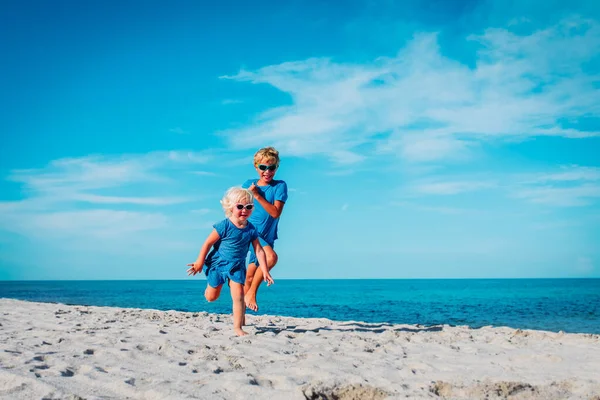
x,y
55,350
524,305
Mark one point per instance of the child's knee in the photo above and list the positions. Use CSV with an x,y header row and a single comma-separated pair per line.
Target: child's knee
x,y
272,259
210,297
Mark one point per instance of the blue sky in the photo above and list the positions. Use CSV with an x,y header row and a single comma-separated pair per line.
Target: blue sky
x,y
440,139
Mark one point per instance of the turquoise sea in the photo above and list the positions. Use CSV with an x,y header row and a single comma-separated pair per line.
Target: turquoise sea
x,y
570,305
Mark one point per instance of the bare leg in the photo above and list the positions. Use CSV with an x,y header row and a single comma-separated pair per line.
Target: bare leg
x,y
211,293
250,271
237,297
257,279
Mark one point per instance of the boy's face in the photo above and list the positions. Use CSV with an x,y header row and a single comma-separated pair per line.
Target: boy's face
x,y
266,169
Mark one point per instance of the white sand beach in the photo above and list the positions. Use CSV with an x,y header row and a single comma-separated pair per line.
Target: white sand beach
x,y
55,351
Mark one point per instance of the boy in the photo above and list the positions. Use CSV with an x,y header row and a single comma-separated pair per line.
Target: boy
x,y
270,196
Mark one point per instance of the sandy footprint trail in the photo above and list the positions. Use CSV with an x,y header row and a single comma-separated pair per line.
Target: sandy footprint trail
x,y
54,351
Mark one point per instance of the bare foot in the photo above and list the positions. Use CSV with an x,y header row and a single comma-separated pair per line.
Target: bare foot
x,y
240,332
250,300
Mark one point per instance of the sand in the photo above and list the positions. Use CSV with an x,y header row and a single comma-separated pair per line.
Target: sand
x,y
55,351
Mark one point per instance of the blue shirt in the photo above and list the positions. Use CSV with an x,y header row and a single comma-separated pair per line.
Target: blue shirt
x,y
233,242
260,218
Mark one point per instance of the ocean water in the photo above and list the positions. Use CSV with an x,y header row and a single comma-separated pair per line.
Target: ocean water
x,y
570,305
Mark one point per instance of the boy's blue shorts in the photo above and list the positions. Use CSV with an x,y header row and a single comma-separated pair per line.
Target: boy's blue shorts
x,y
263,243
219,273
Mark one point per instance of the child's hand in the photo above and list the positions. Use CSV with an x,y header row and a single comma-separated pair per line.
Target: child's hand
x,y
269,279
195,267
254,189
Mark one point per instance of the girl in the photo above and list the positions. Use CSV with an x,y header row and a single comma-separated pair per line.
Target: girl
x,y
229,240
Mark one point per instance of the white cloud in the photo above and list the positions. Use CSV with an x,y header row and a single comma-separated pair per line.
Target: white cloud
x,y
430,106
435,209
570,186
69,176
202,211
203,173
58,196
449,188
82,223
185,157
581,195
566,186
152,201
227,102
570,173
97,172
179,131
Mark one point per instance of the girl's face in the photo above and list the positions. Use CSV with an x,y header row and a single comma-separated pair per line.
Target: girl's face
x,y
241,210
266,169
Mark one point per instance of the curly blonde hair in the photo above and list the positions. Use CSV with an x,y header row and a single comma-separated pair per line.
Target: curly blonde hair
x,y
266,153
234,196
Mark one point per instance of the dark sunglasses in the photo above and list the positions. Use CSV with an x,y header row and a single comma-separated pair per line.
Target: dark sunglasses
x,y
264,167
247,206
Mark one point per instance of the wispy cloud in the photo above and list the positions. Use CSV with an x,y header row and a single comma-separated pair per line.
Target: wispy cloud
x,y
203,173
97,172
82,223
569,174
434,209
152,201
428,106
565,186
202,211
571,186
59,195
450,188
581,195
227,102
179,131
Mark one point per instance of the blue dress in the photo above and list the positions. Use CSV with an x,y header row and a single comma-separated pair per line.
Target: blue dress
x,y
227,259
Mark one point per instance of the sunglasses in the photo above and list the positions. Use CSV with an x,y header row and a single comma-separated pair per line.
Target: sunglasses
x,y
242,206
264,167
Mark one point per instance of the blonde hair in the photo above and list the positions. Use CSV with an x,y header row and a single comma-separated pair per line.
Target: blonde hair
x,y
266,152
234,196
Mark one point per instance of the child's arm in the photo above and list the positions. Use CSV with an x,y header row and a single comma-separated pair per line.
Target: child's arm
x,y
262,261
199,263
274,210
